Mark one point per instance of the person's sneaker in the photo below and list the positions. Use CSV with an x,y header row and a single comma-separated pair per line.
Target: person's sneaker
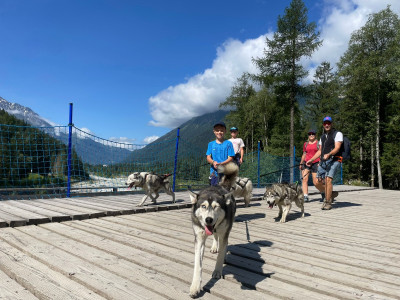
x,y
306,199
322,197
327,206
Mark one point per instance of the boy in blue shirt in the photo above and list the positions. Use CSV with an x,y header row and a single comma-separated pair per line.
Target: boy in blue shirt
x,y
219,152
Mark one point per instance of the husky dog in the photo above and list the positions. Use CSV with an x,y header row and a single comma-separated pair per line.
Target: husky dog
x,y
243,188
213,213
283,194
150,183
230,171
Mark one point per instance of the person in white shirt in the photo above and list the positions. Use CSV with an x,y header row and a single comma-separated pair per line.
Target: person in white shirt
x,y
330,151
238,145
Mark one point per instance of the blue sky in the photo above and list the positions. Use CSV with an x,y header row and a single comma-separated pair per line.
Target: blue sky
x,y
137,69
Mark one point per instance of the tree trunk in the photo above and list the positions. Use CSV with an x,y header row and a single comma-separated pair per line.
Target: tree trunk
x,y
361,160
291,140
265,131
378,161
372,164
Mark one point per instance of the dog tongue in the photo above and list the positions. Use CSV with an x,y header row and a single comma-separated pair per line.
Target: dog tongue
x,y
209,230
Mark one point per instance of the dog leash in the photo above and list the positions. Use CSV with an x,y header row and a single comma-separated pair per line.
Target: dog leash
x,y
279,170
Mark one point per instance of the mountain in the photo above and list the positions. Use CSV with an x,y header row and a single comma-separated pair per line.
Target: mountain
x,y
24,113
195,135
89,150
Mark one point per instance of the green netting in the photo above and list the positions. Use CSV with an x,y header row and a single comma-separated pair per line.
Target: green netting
x,y
35,163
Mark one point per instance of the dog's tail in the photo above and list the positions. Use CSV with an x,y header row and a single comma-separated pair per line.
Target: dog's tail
x,y
231,172
164,176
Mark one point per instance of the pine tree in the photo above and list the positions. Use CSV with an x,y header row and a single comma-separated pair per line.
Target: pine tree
x,y
293,40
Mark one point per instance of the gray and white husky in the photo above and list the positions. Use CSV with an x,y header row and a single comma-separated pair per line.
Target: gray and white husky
x,y
283,194
243,188
213,213
151,184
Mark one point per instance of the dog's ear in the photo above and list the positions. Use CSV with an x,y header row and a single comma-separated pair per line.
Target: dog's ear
x,y
228,197
193,195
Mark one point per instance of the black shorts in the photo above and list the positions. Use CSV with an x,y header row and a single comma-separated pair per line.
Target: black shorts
x,y
313,168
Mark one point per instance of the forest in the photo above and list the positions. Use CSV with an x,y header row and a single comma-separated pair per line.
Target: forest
x,y
277,105
32,158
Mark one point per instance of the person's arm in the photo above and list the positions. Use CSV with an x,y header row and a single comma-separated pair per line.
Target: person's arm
x,y
211,161
334,151
229,159
316,155
303,157
241,154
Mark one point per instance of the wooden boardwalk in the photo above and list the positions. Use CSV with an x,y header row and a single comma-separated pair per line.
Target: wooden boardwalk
x,y
106,248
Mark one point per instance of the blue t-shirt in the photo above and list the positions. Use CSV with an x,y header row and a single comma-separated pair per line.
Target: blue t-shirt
x,y
219,152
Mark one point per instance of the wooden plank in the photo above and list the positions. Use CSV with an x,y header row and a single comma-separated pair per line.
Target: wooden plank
x,y
324,268
3,223
72,213
39,279
75,209
33,218
29,205
12,220
248,279
11,290
109,210
252,279
108,285
128,271
151,261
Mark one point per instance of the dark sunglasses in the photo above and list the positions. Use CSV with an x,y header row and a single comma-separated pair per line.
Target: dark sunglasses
x,y
310,133
327,123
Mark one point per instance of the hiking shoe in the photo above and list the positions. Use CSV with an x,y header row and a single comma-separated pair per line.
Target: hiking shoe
x,y
326,206
322,197
306,199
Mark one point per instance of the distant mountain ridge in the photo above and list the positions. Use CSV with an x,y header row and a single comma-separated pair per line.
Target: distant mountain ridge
x,y
86,148
24,113
196,132
194,136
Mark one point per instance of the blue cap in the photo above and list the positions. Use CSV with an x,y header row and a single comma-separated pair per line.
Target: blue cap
x,y
327,119
234,128
220,124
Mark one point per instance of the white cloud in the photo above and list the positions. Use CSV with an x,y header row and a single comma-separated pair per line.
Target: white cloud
x,y
150,139
204,92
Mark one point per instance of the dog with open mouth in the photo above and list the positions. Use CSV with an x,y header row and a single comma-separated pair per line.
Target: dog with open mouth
x,y
213,213
284,194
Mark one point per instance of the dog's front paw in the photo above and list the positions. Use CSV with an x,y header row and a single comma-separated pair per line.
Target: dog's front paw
x,y
214,249
217,274
282,220
194,290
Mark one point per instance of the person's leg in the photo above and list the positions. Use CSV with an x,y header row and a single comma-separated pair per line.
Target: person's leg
x,y
319,182
330,195
304,183
320,188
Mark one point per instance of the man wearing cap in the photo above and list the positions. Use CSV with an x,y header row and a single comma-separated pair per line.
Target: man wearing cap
x,y
238,146
219,152
329,152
